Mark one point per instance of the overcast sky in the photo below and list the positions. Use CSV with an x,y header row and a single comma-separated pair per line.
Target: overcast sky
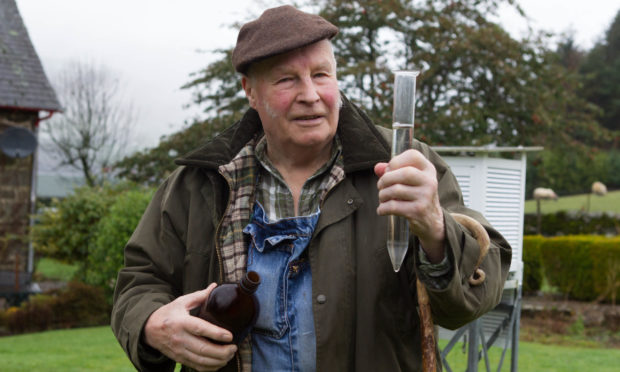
x,y
153,44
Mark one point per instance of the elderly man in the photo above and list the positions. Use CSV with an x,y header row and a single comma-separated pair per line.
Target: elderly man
x,y
296,191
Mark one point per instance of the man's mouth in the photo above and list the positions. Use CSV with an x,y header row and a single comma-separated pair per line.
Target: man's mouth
x,y
308,117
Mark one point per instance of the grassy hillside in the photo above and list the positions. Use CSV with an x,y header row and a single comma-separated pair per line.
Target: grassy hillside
x,y
607,203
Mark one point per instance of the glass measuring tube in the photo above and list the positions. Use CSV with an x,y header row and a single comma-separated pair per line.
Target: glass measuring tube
x,y
402,139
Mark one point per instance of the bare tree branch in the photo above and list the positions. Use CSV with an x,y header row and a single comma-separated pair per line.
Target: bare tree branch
x,y
94,129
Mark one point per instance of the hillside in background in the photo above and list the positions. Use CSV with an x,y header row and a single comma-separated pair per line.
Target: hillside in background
x,y
607,203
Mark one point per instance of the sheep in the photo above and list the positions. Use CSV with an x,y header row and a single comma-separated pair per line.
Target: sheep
x,y
543,193
598,188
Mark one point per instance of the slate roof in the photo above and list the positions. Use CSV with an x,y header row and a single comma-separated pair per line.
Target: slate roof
x,y
23,83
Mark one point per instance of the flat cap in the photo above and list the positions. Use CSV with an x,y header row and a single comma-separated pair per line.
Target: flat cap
x,y
276,31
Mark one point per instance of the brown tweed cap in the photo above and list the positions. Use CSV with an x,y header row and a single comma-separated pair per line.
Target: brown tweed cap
x,y
276,31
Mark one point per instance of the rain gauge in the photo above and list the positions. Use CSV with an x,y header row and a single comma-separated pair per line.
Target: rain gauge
x,y
402,140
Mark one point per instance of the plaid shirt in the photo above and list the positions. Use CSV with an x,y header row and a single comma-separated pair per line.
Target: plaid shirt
x,y
276,197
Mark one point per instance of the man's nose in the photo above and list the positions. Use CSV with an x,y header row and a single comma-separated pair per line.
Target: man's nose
x,y
308,91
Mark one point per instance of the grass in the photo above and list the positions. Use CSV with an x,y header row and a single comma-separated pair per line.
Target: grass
x,y
96,349
50,269
607,203
85,349
548,358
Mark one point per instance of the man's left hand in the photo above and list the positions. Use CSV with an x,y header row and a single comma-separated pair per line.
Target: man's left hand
x,y
408,187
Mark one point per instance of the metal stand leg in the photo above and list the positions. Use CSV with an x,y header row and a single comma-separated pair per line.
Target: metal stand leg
x,y
514,356
472,349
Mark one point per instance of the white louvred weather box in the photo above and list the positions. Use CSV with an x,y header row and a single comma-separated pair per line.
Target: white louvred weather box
x,y
495,186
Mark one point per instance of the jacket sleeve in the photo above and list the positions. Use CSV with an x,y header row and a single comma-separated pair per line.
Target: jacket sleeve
x,y
149,279
459,302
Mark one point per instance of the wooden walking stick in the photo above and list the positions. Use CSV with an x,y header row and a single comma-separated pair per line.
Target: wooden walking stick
x,y
427,328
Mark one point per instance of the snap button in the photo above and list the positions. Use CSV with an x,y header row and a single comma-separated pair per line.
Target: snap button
x,y
350,201
321,299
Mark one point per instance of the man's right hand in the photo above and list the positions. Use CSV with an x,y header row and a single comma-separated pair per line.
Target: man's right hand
x,y
186,338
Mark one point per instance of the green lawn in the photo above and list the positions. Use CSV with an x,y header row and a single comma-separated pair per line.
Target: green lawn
x,y
534,357
607,203
96,349
85,349
51,269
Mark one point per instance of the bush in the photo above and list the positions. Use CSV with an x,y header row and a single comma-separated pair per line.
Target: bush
x,y
582,267
573,223
69,230
64,231
606,269
532,263
113,231
78,305
568,265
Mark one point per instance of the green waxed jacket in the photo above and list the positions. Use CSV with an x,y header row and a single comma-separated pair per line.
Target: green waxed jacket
x,y
364,313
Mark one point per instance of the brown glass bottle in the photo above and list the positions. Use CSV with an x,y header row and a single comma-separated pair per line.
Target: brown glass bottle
x,y
233,306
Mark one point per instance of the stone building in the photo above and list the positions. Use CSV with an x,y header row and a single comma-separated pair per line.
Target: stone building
x,y
26,98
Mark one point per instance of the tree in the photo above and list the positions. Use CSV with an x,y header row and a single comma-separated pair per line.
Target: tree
x,y
602,71
478,85
94,128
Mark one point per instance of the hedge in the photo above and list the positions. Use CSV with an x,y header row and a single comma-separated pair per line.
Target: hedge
x,y
582,267
532,263
573,223
77,305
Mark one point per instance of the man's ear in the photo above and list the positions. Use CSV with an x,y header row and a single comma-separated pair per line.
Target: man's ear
x,y
249,91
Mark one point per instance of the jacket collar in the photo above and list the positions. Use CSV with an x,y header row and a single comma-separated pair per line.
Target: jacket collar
x,y
354,129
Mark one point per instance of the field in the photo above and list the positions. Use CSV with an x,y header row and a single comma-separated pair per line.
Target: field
x,y
607,203
96,349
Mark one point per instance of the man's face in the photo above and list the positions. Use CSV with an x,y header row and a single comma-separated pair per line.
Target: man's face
x,y
297,98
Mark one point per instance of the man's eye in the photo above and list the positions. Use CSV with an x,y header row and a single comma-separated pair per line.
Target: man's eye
x,y
284,80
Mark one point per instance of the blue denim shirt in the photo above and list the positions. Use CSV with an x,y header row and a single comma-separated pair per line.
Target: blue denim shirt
x,y
283,338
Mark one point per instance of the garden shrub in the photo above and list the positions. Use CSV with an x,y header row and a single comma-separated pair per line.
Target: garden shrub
x,y
606,268
532,263
581,267
81,305
568,265
77,305
69,231
64,231
113,231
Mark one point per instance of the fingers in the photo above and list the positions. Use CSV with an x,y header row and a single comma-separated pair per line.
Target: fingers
x,y
192,300
409,158
408,187
408,177
187,339
380,169
202,354
200,327
410,167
